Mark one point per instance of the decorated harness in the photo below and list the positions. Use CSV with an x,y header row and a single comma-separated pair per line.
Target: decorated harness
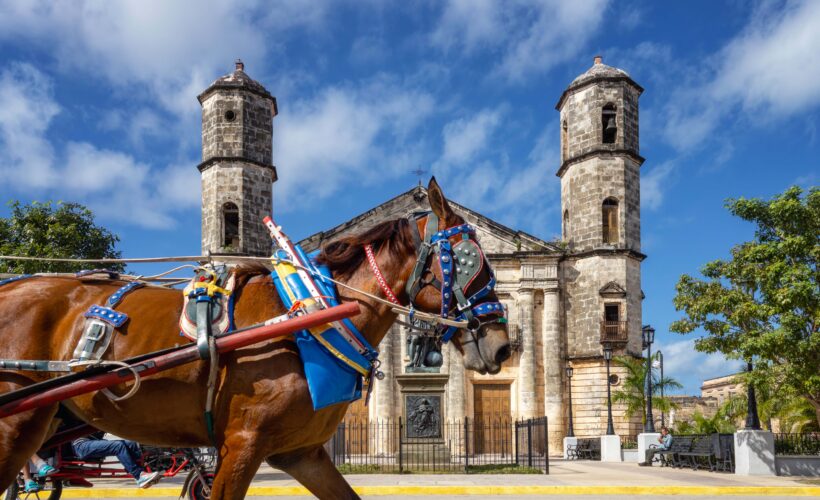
x,y
461,263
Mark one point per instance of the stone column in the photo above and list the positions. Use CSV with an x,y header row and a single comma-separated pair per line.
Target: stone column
x,y
456,405
384,409
527,404
553,370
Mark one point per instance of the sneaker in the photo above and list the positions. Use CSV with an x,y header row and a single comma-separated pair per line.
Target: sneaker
x,y
32,486
148,479
47,470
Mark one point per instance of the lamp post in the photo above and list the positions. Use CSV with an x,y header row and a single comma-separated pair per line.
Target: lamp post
x,y
571,432
648,336
752,420
610,429
660,360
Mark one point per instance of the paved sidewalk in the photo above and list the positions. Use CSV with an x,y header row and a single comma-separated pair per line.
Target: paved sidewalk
x,y
566,479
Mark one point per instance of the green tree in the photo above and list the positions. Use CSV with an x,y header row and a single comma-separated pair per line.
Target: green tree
x,y
61,230
764,302
633,388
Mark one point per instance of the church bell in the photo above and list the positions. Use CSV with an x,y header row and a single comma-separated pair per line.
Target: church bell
x,y
610,124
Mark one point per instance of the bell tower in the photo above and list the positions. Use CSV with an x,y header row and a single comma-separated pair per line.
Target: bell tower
x,y
600,208
237,169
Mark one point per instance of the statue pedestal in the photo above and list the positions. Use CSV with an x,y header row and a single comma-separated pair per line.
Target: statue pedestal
x,y
423,433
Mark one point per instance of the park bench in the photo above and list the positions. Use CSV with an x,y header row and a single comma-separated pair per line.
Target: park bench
x,y
671,457
725,456
701,451
589,449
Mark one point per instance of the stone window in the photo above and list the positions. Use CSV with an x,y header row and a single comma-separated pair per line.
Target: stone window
x,y
230,115
612,312
610,129
613,328
609,220
230,219
565,227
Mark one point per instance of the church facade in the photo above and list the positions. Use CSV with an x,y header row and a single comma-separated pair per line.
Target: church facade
x,y
565,299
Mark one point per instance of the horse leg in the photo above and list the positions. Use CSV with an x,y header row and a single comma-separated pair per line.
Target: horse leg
x,y
20,437
314,469
238,461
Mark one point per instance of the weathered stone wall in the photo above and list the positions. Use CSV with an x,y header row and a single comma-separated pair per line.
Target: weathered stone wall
x,y
248,135
584,306
585,186
250,188
236,126
582,115
589,408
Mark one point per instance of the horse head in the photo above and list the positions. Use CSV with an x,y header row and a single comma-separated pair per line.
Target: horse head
x,y
484,344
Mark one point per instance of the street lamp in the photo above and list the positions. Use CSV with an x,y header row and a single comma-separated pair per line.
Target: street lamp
x,y
752,420
648,336
571,432
660,362
610,429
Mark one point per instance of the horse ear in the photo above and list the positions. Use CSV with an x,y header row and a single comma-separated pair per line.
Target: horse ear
x,y
438,202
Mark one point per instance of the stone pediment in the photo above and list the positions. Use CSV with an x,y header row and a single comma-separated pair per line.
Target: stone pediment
x,y
496,239
612,289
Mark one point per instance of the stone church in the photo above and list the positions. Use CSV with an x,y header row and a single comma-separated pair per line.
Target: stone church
x,y
564,298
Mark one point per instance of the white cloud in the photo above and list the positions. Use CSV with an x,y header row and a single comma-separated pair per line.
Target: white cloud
x,y
172,49
345,135
531,36
681,361
26,110
114,184
654,183
520,195
770,71
465,137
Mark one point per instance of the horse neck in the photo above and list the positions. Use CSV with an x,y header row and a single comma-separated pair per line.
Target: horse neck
x,y
259,301
376,318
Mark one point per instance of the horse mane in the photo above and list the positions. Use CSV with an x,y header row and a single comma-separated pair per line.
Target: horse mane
x,y
345,255
246,271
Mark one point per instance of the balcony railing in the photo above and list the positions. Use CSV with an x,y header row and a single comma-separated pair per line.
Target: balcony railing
x,y
613,332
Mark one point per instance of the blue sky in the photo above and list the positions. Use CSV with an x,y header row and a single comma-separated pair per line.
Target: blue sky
x,y
98,105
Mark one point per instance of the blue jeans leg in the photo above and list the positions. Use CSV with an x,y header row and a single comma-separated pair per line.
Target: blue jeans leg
x,y
128,452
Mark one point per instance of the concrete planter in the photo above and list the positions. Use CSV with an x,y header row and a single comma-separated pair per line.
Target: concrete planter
x,y
797,465
631,456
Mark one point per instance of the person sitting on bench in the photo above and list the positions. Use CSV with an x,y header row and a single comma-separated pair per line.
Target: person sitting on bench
x,y
43,470
665,440
94,446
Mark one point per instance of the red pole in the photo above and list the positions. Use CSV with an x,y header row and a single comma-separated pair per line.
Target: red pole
x,y
177,358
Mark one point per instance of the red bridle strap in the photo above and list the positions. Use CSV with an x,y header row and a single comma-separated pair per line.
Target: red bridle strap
x,y
371,259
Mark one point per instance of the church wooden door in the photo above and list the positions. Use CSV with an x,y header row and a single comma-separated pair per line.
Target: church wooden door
x,y
493,420
357,425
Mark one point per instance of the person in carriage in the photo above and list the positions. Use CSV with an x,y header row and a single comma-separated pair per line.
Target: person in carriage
x,y
94,446
43,470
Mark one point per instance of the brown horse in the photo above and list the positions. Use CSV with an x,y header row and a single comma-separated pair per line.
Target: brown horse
x,y
263,409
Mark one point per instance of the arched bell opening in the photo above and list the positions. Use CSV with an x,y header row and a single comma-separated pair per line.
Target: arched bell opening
x,y
608,122
230,226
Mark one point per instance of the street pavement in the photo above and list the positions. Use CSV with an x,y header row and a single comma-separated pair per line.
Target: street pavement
x,y
567,479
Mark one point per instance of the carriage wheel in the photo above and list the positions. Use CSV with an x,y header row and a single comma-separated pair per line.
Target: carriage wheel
x,y
195,486
51,491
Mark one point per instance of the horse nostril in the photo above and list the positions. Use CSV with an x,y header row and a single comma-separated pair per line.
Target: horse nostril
x,y
502,354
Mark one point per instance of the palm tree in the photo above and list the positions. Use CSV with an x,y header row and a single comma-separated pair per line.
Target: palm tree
x,y
632,395
701,424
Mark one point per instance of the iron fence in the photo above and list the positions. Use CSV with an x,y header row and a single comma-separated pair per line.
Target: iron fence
x,y
797,444
383,446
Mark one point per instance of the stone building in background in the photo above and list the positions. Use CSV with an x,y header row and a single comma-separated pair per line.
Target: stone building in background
x,y
564,298
237,169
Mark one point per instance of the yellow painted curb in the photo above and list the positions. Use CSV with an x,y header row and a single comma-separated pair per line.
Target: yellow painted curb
x,y
797,491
